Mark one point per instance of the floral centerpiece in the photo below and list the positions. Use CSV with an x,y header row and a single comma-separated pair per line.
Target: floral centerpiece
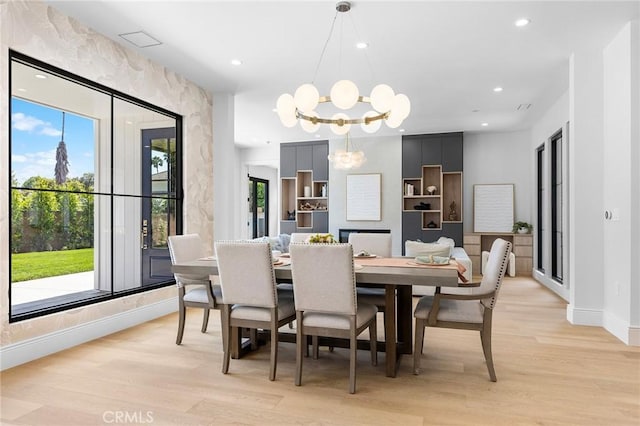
x,y
322,238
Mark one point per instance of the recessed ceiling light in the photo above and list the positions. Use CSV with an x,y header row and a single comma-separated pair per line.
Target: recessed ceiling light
x,y
317,136
236,62
484,124
522,22
140,39
497,89
401,130
475,110
22,89
362,45
275,110
42,76
268,142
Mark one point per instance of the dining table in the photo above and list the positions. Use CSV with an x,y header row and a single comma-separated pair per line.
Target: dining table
x,y
396,275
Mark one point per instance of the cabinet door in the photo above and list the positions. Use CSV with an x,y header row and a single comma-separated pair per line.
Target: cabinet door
x,y
320,161
431,150
452,152
287,227
453,230
411,157
411,227
287,160
304,157
320,222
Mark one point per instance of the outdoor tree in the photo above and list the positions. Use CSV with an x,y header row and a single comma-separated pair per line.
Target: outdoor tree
x,y
156,162
62,162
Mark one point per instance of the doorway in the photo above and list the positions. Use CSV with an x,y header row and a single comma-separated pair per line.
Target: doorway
x,y
158,187
258,207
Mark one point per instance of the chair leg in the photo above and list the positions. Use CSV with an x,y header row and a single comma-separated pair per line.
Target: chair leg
x,y
314,347
373,341
225,331
274,344
485,338
227,343
353,357
181,318
417,347
253,338
300,344
205,320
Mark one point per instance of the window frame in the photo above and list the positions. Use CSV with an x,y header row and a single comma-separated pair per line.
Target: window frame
x,y
15,56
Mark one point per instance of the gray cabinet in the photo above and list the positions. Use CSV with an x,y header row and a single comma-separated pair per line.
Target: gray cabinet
x,y
304,165
442,151
320,165
287,160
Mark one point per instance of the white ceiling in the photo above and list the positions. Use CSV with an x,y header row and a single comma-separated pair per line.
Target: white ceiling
x,y
446,56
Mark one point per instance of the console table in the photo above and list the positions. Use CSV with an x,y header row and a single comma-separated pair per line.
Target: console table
x,y
476,243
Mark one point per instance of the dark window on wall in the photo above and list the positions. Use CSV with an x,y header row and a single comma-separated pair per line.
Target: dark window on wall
x,y
541,206
94,191
556,207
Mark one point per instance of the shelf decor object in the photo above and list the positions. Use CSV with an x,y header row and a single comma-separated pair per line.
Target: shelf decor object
x,y
344,95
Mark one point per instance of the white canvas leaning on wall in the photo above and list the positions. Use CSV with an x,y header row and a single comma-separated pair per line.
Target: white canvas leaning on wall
x,y
493,208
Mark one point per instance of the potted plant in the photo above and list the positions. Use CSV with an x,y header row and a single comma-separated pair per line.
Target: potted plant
x,y
522,228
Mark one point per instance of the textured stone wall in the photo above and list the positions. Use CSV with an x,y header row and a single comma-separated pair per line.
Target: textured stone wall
x,y
37,30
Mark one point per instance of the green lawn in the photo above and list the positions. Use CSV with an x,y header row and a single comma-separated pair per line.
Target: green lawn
x,y
30,266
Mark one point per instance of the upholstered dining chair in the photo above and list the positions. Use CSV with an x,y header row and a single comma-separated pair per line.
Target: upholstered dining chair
x,y
465,311
324,291
300,237
249,294
194,291
380,245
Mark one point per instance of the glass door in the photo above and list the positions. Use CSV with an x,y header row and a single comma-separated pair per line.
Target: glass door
x,y
158,161
258,207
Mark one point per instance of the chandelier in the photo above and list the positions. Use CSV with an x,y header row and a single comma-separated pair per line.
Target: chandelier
x,y
345,159
300,107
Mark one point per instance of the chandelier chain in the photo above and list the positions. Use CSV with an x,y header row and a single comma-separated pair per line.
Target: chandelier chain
x,y
324,48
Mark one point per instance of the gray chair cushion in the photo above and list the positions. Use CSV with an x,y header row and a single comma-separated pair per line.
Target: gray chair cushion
x,y
340,322
254,313
199,294
451,310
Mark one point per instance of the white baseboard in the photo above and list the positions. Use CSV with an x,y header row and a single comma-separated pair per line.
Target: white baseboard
x,y
592,317
622,329
37,347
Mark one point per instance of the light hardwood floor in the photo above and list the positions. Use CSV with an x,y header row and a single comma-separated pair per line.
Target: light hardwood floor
x,y
549,372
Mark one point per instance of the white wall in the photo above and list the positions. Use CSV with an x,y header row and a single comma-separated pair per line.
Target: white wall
x,y
225,165
498,158
586,187
620,127
384,156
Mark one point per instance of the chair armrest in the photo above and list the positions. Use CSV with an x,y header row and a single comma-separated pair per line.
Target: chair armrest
x,y
432,319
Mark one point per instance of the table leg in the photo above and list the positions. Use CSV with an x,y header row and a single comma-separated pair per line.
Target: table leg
x,y
390,329
405,317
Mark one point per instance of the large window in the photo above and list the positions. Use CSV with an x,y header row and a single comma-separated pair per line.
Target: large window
x,y
95,191
541,204
556,207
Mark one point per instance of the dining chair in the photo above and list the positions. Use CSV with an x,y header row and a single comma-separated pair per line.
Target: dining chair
x,y
249,294
299,237
465,311
324,291
194,291
380,245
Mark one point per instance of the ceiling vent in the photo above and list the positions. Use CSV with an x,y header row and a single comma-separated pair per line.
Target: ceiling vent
x,y
140,39
523,107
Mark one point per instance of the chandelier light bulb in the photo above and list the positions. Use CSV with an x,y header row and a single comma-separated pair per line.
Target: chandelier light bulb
x,y
310,126
344,94
394,120
401,105
287,110
337,128
372,126
306,97
382,98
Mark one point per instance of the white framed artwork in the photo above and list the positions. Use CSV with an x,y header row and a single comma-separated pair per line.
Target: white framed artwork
x,y
493,207
363,197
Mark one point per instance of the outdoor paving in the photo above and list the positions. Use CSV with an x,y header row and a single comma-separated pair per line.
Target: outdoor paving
x,y
44,288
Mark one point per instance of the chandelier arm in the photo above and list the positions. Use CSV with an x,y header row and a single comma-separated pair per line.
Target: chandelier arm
x,y
340,121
